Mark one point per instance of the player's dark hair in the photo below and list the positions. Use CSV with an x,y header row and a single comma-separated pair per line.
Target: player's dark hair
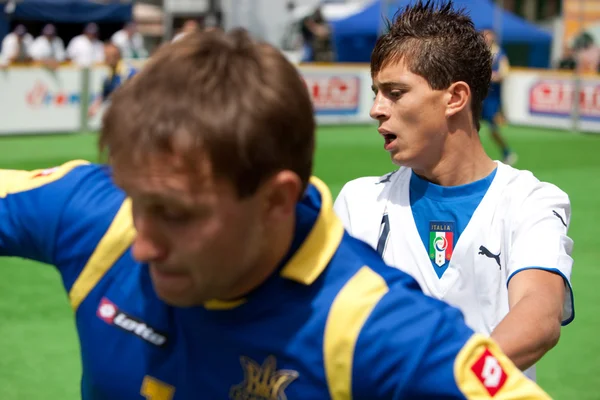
x,y
440,43
238,102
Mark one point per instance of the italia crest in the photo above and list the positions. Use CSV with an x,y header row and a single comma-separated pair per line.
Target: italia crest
x,y
441,242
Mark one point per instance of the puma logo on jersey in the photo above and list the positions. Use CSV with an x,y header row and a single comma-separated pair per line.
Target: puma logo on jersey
x,y
485,252
386,178
559,217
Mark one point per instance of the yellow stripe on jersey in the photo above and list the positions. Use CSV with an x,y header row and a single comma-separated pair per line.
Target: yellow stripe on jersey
x,y
349,312
117,239
482,371
14,181
314,255
221,305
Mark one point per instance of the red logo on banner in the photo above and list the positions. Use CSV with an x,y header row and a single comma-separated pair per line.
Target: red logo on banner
x,y
41,95
555,98
334,94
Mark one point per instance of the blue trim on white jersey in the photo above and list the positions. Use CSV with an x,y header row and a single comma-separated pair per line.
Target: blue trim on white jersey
x,y
558,272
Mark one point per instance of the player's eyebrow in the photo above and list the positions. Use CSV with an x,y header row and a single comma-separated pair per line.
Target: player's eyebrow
x,y
388,85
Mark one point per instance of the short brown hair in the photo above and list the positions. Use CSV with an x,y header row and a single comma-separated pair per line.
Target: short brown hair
x,y
439,43
239,102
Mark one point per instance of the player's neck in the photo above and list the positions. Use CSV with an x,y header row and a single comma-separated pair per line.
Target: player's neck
x,y
463,161
274,250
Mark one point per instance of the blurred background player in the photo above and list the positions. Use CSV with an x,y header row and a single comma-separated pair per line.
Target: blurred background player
x,y
86,49
119,73
130,42
492,105
217,266
48,48
16,47
476,233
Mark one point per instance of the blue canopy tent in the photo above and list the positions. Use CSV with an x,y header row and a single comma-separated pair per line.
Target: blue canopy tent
x,y
355,36
65,11
73,11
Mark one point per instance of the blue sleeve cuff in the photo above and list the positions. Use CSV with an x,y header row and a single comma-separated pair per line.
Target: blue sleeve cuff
x,y
569,305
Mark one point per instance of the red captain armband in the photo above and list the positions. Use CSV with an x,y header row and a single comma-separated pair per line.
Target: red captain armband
x,y
482,371
489,371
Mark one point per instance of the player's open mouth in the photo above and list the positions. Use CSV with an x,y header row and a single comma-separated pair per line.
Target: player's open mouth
x,y
389,140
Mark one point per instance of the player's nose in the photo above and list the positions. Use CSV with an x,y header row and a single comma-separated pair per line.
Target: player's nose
x,y
380,110
146,250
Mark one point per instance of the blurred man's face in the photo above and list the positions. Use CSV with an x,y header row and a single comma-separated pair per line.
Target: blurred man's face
x,y
131,29
112,56
198,237
411,116
490,37
191,26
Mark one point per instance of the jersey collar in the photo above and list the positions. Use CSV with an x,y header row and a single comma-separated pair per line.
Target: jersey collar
x,y
312,256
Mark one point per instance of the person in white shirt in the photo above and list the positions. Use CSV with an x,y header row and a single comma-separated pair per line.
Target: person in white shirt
x,y
86,50
16,47
486,238
48,48
130,42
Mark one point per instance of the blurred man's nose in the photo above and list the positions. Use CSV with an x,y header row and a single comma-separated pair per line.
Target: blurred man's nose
x,y
146,248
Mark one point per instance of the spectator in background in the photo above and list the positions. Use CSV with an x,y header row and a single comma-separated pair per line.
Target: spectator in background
x,y
191,25
48,48
568,60
317,36
130,42
292,37
588,54
86,49
119,73
16,47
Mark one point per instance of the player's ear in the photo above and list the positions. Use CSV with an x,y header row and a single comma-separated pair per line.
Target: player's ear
x,y
280,193
458,95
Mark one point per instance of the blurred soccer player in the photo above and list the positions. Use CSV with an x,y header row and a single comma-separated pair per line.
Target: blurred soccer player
x,y
492,105
217,269
119,73
478,234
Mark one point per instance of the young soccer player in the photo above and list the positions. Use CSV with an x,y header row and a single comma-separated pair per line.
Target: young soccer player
x,y
217,269
478,234
120,72
492,105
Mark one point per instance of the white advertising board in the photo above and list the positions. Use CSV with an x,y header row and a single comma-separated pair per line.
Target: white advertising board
x,y
37,100
545,99
40,100
340,95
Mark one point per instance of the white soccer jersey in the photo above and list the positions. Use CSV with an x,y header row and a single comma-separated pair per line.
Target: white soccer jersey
x,y
520,223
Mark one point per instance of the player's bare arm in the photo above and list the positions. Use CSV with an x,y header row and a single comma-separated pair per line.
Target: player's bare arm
x,y
532,327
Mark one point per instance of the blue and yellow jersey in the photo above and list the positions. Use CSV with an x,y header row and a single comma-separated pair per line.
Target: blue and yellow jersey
x,y
333,323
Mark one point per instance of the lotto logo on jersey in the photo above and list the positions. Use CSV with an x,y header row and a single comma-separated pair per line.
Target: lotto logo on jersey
x,y
489,371
333,94
110,313
441,241
46,172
